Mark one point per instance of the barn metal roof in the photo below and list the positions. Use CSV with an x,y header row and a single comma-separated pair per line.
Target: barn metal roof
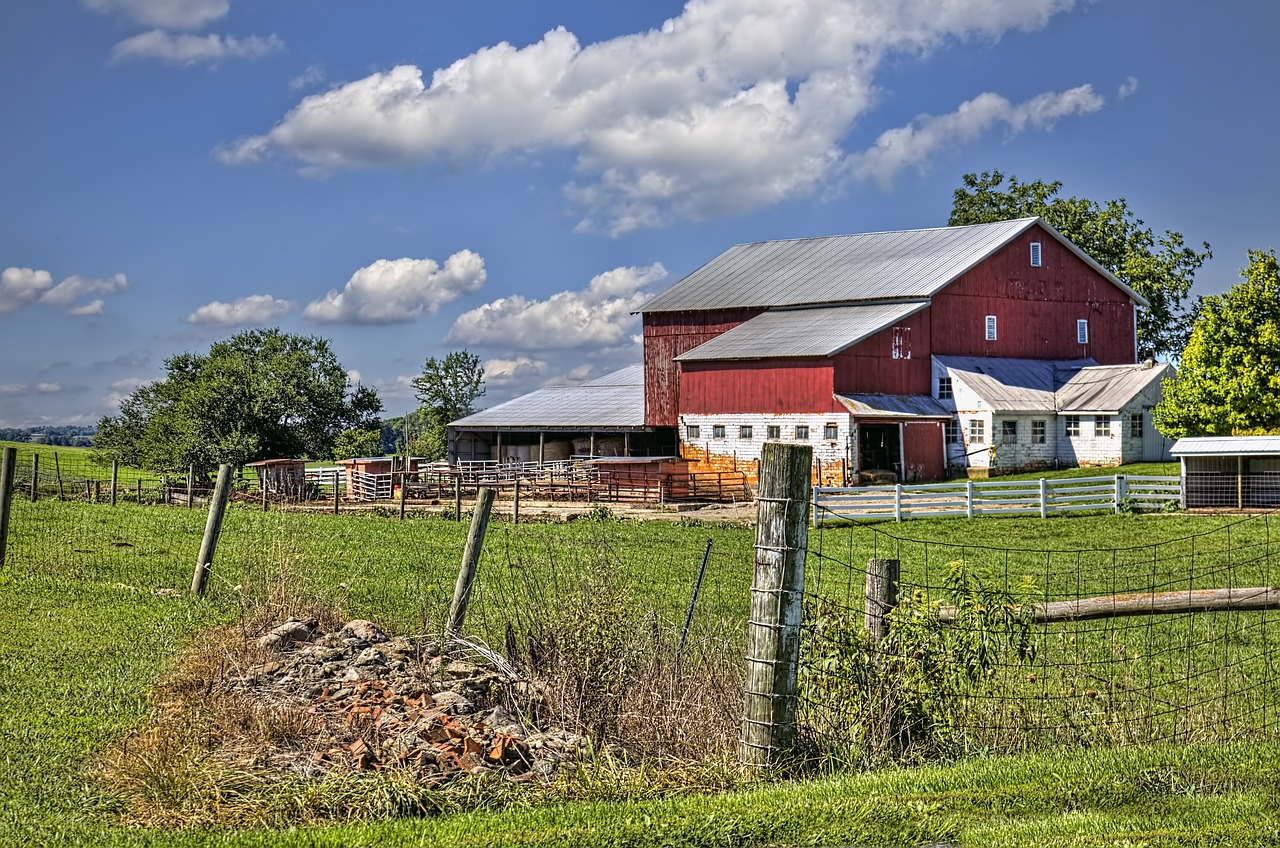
x,y
802,332
614,401
905,264
894,406
1063,385
1227,446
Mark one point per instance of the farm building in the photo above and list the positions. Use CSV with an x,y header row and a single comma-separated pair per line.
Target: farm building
x,y
1240,472
372,478
281,476
843,342
603,417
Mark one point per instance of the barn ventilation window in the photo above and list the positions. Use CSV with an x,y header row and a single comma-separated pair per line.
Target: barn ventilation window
x,y
717,431
773,431
831,432
1035,254
802,432
744,432
693,431
944,388
1082,331
991,328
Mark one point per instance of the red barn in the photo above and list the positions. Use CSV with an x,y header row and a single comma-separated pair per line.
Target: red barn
x,y
832,340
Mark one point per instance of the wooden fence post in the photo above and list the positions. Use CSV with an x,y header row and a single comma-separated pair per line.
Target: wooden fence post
x,y
191,487
515,507
457,498
881,596
470,561
115,480
404,492
8,461
57,470
777,595
212,528
139,491
335,492
35,477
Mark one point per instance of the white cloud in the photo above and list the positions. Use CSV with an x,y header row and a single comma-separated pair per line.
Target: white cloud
x,y
22,286
171,14
313,75
597,316
121,389
398,290
253,310
13,390
187,49
1128,88
916,143
48,388
733,104
498,372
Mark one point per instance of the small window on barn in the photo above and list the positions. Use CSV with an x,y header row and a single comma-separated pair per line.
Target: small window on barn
x,y
1008,432
991,328
952,431
1135,425
692,431
831,432
717,431
1037,432
744,431
1035,254
977,431
901,343
944,388
773,431
1101,425
1082,331
802,432
1073,425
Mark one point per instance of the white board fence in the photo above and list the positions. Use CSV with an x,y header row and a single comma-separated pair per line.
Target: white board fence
x,y
969,498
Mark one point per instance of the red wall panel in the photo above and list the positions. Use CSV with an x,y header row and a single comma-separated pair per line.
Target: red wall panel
x,y
871,367
923,449
766,386
666,336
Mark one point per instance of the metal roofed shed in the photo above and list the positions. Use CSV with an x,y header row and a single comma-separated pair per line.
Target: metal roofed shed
x,y
1063,386
1235,472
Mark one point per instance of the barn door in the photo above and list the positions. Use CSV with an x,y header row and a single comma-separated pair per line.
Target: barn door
x,y
923,451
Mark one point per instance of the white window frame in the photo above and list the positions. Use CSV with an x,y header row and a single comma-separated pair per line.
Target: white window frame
x,y
744,432
773,431
991,328
1037,254
692,431
1071,425
717,431
830,432
1082,331
1102,426
1009,432
802,432
1038,434
1135,425
977,431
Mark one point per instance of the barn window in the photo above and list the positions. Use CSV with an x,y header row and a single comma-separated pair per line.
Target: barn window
x,y
1035,254
693,431
952,431
1008,432
1082,331
744,431
991,328
831,432
1101,425
901,343
944,388
717,431
1073,425
802,432
977,431
1135,425
1037,432
773,431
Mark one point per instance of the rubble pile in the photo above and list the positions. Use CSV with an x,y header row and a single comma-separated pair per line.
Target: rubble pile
x,y
378,702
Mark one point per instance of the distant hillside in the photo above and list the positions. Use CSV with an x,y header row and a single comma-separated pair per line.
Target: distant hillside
x,y
64,436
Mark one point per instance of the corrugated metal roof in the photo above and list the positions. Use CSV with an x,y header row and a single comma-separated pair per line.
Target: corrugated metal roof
x,y
802,332
613,401
1227,446
894,406
906,264
1063,385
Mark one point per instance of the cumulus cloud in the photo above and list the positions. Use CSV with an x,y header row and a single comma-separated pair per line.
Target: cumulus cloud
x,y
23,390
598,316
916,143
733,104
253,310
313,75
188,49
1128,88
121,389
499,372
392,291
22,286
170,14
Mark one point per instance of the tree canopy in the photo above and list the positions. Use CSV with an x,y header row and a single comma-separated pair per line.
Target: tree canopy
x,y
1160,269
261,394
1229,378
448,389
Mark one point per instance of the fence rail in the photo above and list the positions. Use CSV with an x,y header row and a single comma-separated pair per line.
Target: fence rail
x,y
969,498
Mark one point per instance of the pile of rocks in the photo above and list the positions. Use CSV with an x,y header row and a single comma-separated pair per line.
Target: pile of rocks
x,y
378,702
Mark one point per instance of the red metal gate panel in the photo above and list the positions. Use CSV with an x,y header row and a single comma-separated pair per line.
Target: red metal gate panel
x,y
923,451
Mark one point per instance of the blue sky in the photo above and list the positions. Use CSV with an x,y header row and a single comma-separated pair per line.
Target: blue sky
x,y
408,178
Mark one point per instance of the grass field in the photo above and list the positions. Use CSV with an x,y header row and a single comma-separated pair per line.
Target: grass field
x,y
84,635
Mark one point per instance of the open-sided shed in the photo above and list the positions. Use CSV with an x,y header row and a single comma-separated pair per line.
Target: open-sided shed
x,y
1230,471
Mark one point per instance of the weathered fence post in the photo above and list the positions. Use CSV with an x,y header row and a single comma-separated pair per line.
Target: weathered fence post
x,y
515,507
457,498
139,491
262,486
404,492
115,480
881,596
777,595
8,461
212,527
470,561
191,487
57,470
35,477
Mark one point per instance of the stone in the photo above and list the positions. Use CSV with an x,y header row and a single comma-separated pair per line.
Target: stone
x,y
285,635
364,630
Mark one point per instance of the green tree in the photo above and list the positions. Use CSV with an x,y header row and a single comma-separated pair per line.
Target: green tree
x,y
357,442
1229,378
260,394
447,390
1160,269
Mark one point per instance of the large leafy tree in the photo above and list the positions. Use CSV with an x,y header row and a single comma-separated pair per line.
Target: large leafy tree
x,y
447,389
1161,269
260,394
1229,378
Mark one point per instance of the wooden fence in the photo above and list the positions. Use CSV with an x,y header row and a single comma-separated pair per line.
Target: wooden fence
x,y
970,498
